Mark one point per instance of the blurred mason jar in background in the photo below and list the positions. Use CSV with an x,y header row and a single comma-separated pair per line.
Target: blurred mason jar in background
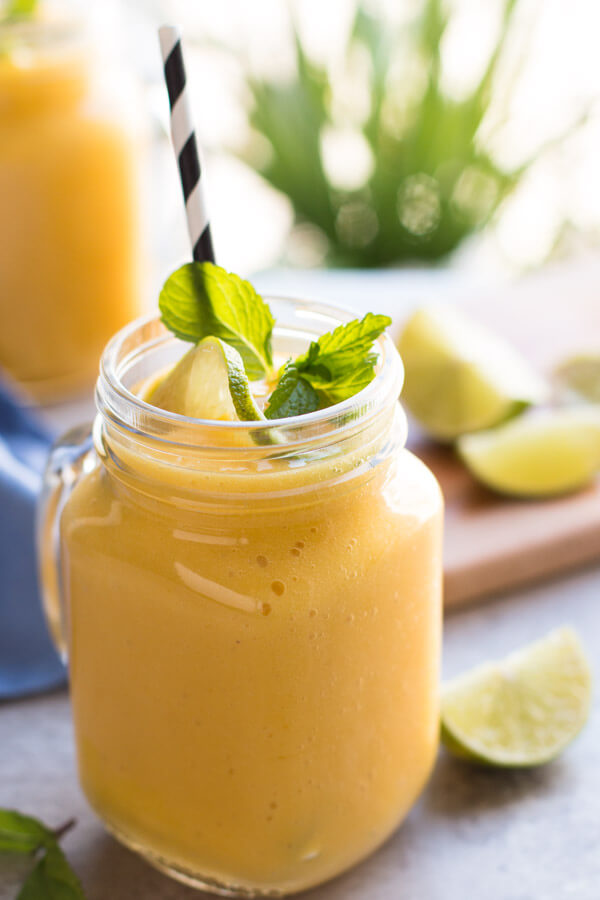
x,y
72,138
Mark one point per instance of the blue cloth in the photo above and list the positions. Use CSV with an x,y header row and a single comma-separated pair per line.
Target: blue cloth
x,y
28,661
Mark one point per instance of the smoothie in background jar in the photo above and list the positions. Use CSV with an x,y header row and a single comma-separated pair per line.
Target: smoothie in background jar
x,y
69,229
253,625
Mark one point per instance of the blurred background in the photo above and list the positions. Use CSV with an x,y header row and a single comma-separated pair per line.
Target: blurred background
x,y
362,134
391,133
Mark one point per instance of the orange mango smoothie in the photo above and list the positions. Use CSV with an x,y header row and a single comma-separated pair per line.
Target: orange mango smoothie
x,y
68,217
254,640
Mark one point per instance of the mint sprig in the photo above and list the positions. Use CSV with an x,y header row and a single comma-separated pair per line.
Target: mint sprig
x,y
202,300
336,366
339,350
51,876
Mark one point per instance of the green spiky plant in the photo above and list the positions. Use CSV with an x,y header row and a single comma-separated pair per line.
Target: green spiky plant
x,y
432,182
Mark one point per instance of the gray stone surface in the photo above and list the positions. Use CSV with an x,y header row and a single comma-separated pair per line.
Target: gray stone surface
x,y
475,833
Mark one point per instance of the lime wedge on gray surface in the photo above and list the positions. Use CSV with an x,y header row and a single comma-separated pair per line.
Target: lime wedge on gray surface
x,y
459,377
550,452
209,382
522,711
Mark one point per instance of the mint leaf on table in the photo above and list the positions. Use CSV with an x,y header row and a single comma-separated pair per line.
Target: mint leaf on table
x,y
51,877
336,366
21,834
202,300
293,395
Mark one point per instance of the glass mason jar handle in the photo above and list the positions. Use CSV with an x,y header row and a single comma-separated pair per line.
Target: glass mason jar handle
x,y
71,457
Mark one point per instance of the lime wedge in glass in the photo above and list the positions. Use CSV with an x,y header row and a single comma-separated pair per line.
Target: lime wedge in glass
x,y
549,452
459,377
209,382
580,376
522,711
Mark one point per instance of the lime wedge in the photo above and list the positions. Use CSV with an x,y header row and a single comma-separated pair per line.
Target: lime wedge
x,y
209,382
459,377
522,711
581,376
550,452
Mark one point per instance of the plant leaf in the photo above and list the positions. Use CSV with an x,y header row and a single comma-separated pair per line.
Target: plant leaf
x,y
201,300
340,351
427,148
293,396
52,879
336,366
22,834
345,385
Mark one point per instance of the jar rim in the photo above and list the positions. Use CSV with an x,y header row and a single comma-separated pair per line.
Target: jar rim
x,y
126,409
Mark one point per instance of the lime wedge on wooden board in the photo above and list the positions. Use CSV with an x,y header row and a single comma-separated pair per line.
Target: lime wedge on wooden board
x,y
522,711
548,453
460,377
209,382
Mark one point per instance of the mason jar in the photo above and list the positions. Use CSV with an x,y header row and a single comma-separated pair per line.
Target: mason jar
x,y
69,220
251,614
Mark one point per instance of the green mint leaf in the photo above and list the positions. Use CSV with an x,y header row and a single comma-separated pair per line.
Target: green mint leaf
x,y
52,879
293,396
22,834
341,362
201,300
346,385
339,351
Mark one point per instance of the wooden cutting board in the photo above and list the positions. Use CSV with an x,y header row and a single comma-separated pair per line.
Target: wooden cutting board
x,y
493,544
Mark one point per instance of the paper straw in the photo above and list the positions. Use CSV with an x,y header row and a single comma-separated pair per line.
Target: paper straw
x,y
184,144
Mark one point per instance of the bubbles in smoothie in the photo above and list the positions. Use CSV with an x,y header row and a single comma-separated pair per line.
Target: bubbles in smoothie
x,y
312,613
294,551
265,609
278,587
262,561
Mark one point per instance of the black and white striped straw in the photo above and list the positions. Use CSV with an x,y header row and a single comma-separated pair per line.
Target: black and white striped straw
x,y
184,144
